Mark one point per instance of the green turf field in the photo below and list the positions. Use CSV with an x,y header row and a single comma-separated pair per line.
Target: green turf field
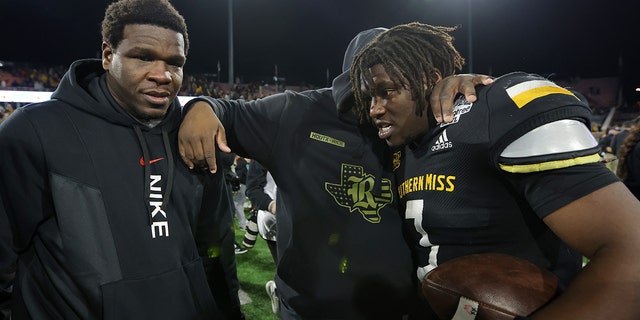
x,y
255,268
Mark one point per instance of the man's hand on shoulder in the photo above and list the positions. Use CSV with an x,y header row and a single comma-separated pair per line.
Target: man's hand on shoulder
x,y
443,94
199,133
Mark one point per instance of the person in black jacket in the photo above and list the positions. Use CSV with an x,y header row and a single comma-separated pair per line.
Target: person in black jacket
x,y
262,191
240,167
235,185
107,222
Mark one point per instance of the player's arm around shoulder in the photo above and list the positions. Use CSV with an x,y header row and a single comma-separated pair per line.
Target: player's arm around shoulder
x,y
605,227
200,132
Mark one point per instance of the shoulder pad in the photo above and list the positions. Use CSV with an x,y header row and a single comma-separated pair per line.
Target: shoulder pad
x,y
558,144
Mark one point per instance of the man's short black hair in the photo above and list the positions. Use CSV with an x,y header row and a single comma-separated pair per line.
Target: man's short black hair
x,y
154,12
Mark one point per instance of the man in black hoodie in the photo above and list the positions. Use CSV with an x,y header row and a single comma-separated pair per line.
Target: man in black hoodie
x,y
341,254
107,222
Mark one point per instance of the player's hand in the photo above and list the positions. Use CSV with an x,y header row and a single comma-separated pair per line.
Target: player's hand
x,y
199,133
443,94
272,207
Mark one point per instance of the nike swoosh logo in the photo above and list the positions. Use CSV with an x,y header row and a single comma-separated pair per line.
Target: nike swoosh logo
x,y
150,161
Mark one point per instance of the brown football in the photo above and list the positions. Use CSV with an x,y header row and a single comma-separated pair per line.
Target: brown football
x,y
488,286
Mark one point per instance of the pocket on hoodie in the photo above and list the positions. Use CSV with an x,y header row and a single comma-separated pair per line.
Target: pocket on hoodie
x,y
181,293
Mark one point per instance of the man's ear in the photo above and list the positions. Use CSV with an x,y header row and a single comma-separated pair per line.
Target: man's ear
x,y
107,55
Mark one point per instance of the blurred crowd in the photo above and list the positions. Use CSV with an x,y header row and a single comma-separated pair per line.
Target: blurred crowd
x,y
46,78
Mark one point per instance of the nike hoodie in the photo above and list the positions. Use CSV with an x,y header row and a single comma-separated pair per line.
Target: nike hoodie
x,y
103,213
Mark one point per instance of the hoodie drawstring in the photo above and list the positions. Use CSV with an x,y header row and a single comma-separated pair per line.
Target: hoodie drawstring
x,y
167,150
146,157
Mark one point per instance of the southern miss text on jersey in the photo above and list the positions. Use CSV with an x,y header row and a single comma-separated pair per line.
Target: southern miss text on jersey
x,y
483,182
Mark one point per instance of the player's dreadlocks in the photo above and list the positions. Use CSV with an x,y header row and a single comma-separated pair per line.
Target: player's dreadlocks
x,y
411,54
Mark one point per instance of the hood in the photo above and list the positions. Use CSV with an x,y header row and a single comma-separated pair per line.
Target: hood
x,y
341,87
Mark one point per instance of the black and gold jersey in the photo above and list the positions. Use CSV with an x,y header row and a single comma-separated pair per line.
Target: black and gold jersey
x,y
484,182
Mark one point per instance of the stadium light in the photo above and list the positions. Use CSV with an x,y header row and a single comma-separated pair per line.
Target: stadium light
x,y
231,76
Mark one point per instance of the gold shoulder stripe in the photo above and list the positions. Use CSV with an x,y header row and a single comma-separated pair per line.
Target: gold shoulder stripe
x,y
525,92
550,165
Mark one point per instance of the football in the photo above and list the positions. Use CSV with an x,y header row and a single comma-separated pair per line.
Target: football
x,y
489,286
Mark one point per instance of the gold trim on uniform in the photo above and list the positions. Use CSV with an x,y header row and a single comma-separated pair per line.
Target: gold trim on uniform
x,y
525,92
550,165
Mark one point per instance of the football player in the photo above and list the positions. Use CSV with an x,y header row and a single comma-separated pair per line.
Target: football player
x,y
516,172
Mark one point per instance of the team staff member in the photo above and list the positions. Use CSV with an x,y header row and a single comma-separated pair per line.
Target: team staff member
x,y
338,225
516,172
262,191
104,214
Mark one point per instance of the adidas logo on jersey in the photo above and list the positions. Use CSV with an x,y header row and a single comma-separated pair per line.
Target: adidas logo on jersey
x,y
442,142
